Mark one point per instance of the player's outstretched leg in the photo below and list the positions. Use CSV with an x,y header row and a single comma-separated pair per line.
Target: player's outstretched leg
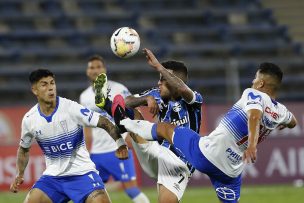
x,y
148,130
118,111
101,90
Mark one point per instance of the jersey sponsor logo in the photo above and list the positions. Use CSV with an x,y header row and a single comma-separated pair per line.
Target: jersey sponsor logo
x,y
179,122
254,97
225,193
84,111
274,115
61,147
177,107
233,156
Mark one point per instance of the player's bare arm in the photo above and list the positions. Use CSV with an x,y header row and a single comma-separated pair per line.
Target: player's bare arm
x,y
173,81
22,161
254,118
122,151
133,102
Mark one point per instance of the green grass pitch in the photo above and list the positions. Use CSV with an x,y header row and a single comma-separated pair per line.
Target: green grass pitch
x,y
249,194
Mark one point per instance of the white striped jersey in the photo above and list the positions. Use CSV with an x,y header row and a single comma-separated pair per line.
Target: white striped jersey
x,y
224,147
101,140
60,137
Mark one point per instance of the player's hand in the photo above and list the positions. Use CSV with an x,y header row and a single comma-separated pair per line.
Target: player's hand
x,y
152,106
250,154
122,152
152,60
15,185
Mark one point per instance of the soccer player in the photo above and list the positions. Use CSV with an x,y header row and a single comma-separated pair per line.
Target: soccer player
x,y
176,103
56,124
223,154
102,150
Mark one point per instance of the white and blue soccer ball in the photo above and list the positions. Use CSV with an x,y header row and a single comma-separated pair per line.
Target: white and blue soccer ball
x,y
125,42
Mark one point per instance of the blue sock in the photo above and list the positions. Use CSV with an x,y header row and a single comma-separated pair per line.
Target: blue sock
x,y
154,132
132,192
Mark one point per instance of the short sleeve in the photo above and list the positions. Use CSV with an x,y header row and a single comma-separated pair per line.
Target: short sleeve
x,y
252,99
26,136
285,115
83,115
150,92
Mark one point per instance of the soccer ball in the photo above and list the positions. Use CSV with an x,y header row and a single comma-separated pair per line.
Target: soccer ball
x,y
125,42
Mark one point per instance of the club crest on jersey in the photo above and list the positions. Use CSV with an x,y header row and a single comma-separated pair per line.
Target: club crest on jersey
x,y
177,107
252,96
38,132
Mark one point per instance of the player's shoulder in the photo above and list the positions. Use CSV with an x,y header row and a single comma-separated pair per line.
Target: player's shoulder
x,y
152,91
30,113
254,94
87,91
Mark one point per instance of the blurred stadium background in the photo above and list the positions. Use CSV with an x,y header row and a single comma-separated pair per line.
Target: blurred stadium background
x,y
221,41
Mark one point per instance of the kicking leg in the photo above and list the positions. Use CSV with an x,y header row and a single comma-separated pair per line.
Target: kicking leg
x,y
148,130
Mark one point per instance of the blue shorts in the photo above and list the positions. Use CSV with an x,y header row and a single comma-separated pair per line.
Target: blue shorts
x,y
109,165
61,189
187,142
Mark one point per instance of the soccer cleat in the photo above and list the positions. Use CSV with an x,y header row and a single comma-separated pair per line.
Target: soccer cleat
x,y
101,90
118,111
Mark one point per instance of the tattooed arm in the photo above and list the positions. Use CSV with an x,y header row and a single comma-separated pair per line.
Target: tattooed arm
x,y
22,161
122,151
173,81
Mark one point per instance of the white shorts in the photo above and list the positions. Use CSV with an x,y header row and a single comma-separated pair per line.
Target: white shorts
x,y
162,164
147,155
173,173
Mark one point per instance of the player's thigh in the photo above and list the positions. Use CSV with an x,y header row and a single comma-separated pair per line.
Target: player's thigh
x,y
36,195
173,173
147,155
98,196
166,196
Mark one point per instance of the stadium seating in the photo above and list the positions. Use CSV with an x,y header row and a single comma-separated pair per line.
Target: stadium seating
x,y
213,37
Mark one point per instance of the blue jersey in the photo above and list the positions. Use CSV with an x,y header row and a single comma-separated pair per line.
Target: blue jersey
x,y
178,112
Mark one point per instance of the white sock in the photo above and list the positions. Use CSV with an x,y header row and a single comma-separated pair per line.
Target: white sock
x,y
145,129
141,198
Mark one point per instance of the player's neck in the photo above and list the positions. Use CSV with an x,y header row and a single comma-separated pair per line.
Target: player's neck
x,y
47,108
269,92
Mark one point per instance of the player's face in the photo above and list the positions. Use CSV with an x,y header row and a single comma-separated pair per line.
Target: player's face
x,y
163,87
45,90
95,68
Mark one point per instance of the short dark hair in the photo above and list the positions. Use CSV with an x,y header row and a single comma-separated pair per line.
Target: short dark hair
x,y
96,57
36,75
176,66
272,70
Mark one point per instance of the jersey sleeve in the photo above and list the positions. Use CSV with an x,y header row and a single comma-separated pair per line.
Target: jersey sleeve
x,y
252,99
285,115
83,115
26,136
150,92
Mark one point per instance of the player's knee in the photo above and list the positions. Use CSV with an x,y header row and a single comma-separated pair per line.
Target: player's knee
x,y
136,195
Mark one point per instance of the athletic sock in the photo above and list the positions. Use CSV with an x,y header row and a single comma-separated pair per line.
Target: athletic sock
x,y
141,198
145,129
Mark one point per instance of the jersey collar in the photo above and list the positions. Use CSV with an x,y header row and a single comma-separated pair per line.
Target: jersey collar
x,y
49,118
